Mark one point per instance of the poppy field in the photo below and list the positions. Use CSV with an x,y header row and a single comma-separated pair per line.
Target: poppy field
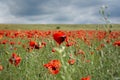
x,y
59,54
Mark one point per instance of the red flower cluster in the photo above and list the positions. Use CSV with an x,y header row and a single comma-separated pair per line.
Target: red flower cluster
x,y
116,43
15,59
86,78
53,66
35,45
59,37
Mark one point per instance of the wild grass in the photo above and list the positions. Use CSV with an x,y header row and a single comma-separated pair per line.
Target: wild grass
x,y
56,26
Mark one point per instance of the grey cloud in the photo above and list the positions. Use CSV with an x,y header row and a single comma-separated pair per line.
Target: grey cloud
x,y
26,7
63,19
60,11
41,7
114,11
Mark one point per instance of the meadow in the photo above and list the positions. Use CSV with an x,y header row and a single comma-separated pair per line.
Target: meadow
x,y
57,26
59,52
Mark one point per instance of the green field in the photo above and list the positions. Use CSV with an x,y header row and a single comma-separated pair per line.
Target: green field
x,y
54,26
96,54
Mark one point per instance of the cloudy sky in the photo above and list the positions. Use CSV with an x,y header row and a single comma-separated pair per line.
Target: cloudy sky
x,y
57,11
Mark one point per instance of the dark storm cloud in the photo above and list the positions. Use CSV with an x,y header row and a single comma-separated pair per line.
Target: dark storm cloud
x,y
57,11
40,7
26,7
34,7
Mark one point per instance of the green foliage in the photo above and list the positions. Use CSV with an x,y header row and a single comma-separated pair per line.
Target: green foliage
x,y
104,64
58,27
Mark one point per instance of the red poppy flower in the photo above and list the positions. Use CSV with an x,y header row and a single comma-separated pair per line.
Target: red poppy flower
x,y
43,43
15,59
1,36
53,50
59,37
70,44
53,66
19,43
86,78
1,67
71,61
33,44
116,43
80,52
88,61
4,41
12,43
91,52
100,47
